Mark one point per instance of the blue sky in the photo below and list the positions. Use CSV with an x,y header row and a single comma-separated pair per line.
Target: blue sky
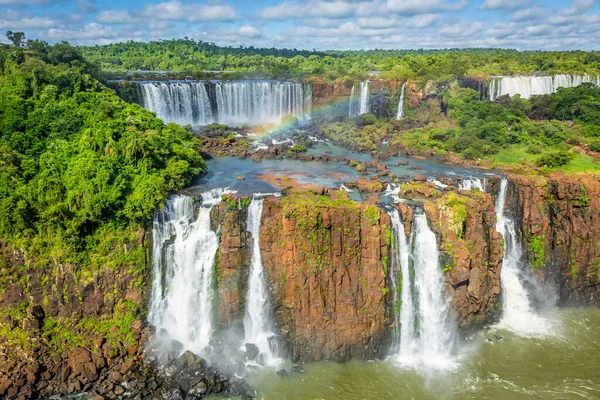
x,y
315,24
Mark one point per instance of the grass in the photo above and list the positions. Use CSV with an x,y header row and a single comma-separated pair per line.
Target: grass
x,y
518,155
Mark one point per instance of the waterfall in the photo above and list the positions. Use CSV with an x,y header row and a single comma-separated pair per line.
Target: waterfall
x,y
402,296
184,248
400,113
472,184
518,314
427,333
258,326
359,104
527,86
232,102
180,102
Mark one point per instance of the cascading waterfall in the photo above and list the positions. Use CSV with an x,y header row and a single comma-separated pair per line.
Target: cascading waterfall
x,y
400,113
258,326
472,184
527,86
184,251
180,102
518,314
402,289
232,102
427,333
359,104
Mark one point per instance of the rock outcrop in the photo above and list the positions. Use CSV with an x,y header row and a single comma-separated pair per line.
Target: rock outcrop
x,y
327,259
560,220
471,249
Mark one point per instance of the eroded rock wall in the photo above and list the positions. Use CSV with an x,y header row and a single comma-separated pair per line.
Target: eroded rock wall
x,y
560,220
327,259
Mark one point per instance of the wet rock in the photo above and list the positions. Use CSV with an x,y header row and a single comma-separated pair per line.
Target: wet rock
x,y
283,373
252,351
298,369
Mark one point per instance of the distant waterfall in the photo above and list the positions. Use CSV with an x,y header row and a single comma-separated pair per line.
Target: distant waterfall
x,y
400,113
258,326
359,104
518,314
200,103
527,86
184,249
427,332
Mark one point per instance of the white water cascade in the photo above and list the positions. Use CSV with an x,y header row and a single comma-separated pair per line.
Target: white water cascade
x,y
230,102
472,184
400,113
258,326
527,86
180,102
427,333
518,314
184,249
359,104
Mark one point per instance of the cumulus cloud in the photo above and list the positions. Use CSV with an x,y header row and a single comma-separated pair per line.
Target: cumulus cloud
x,y
414,7
27,23
89,31
316,8
503,4
115,17
529,14
579,6
250,31
174,10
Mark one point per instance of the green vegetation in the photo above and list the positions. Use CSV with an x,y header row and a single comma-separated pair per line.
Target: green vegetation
x,y
548,132
538,251
81,173
195,58
79,165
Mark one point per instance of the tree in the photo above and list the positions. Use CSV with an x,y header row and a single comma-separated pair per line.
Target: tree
x,y
17,38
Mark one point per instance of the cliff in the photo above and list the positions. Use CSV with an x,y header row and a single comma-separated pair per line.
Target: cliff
x,y
560,220
471,249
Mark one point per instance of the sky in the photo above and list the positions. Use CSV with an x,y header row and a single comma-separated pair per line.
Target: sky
x,y
314,24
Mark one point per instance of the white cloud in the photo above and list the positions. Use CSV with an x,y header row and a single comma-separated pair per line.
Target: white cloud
x,y
89,31
315,8
529,14
86,5
503,4
415,7
28,23
579,6
114,17
250,31
174,10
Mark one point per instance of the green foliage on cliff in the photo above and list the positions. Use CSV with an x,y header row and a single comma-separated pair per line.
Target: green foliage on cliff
x,y
196,57
80,169
537,251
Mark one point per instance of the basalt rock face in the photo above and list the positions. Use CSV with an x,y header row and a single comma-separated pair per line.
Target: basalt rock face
x,y
326,261
233,260
471,251
560,221
65,330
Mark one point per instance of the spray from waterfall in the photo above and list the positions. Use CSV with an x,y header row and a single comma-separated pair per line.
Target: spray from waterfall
x,y
427,334
518,314
258,324
184,248
400,113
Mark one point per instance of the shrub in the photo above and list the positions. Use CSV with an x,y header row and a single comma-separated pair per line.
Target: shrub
x,y
554,159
